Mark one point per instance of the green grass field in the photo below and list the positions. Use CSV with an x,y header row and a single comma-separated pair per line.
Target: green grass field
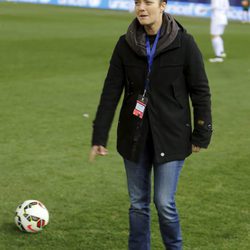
x,y
53,61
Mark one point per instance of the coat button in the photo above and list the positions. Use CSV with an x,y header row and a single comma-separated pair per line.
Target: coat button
x,y
162,154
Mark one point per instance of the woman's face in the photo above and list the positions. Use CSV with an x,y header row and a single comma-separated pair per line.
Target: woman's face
x,y
149,12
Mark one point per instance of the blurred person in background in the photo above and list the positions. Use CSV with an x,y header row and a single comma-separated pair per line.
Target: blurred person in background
x,y
245,11
159,67
219,21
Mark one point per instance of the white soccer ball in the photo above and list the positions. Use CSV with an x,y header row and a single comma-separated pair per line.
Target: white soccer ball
x,y
31,216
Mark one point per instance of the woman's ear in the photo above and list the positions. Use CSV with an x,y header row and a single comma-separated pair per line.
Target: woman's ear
x,y
163,6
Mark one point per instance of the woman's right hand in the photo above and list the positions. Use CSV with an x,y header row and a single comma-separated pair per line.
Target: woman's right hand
x,y
97,150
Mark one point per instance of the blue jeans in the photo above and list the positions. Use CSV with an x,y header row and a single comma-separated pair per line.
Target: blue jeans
x,y
139,187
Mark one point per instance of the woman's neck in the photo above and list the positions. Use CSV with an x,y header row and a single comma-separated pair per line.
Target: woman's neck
x,y
153,28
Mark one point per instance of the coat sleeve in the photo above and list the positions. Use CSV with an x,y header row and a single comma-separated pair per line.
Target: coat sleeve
x,y
111,93
199,91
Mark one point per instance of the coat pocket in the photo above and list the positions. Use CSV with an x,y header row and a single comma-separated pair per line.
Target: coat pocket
x,y
171,61
170,70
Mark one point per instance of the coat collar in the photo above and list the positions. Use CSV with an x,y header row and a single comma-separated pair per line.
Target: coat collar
x,y
136,36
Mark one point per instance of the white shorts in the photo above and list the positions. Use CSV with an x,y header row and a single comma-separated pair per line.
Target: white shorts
x,y
217,29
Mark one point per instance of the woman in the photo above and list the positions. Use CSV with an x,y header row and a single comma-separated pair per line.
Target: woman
x,y
159,66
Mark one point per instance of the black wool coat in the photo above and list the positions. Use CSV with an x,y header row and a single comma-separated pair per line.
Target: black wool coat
x,y
177,80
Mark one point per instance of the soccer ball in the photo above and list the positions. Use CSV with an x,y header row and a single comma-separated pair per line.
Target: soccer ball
x,y
31,216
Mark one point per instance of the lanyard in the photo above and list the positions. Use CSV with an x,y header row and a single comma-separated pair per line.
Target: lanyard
x,y
150,57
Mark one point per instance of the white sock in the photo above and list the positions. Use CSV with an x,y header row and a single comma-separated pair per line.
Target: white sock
x,y
218,45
